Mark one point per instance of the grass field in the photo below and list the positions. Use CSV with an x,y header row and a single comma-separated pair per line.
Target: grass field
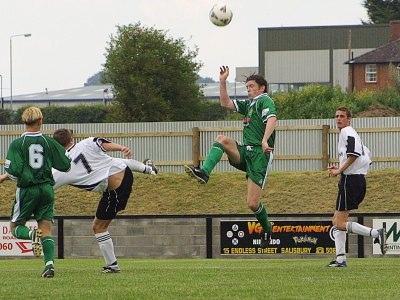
x,y
203,279
225,193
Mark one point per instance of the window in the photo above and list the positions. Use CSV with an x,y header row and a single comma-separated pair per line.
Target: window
x,y
370,73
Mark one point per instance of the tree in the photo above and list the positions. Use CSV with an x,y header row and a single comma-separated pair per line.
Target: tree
x,y
153,76
382,11
7,116
94,79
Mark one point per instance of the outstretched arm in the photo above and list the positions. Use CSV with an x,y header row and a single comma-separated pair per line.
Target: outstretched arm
x,y
117,147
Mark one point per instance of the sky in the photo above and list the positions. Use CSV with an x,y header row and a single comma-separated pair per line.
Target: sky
x,y
69,37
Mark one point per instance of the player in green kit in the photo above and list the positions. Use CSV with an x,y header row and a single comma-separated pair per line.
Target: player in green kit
x,y
255,155
29,160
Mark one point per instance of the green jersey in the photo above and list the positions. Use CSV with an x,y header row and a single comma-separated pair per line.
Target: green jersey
x,y
31,157
256,113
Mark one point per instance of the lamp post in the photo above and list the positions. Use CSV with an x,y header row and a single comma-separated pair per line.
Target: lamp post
x,y
1,89
11,37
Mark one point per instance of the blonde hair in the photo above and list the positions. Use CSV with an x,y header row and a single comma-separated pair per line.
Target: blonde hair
x,y
31,115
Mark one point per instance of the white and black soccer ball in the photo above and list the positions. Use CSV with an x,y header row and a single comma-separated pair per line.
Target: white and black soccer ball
x,y
220,14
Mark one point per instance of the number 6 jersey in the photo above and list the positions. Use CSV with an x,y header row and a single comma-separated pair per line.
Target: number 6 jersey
x,y
90,166
31,157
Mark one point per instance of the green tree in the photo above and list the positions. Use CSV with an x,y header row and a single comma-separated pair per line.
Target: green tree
x,y
6,116
154,76
382,11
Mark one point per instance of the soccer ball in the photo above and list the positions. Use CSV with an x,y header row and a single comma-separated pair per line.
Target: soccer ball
x,y
220,14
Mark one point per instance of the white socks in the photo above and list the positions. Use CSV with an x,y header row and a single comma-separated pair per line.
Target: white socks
x,y
134,165
106,247
340,244
137,166
354,227
340,237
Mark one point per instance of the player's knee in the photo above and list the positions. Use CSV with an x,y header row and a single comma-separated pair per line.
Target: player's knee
x,y
220,139
339,224
99,227
252,205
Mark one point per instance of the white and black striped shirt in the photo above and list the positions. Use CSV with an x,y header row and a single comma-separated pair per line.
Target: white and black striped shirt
x,y
350,144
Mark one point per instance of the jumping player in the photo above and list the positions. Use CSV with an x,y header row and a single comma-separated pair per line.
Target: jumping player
x,y
255,155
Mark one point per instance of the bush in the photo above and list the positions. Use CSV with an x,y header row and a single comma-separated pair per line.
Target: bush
x,y
311,102
69,115
6,116
320,102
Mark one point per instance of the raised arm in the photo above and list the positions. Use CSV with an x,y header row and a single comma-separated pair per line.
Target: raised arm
x,y
224,99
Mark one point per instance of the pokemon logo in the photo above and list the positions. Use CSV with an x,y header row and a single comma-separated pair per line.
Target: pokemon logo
x,y
305,240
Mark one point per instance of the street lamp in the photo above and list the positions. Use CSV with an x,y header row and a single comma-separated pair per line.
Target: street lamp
x,y
15,35
1,89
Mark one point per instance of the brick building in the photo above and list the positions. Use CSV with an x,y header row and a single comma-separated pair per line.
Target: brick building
x,y
375,69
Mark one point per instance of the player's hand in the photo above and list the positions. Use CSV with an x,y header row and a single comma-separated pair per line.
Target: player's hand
x,y
127,152
266,148
4,177
223,73
333,171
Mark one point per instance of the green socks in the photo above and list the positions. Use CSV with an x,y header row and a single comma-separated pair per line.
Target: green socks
x,y
48,250
213,157
262,217
22,232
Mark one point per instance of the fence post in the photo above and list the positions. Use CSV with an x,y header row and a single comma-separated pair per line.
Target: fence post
x,y
209,237
196,146
325,154
60,237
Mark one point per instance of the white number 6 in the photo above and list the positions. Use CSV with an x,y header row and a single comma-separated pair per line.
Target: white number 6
x,y
36,156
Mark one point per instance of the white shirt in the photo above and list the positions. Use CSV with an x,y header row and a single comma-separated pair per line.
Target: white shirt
x,y
350,144
90,166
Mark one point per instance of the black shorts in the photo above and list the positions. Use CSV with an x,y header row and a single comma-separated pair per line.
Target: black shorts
x,y
114,201
352,189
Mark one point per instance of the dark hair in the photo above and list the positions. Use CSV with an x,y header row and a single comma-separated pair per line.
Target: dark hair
x,y
63,136
259,80
346,110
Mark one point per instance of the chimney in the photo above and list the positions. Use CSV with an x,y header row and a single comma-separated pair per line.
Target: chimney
x,y
394,30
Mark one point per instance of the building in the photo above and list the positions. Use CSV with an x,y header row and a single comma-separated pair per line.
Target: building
x,y
291,57
377,68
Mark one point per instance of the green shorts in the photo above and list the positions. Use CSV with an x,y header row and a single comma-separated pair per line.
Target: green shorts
x,y
254,162
36,201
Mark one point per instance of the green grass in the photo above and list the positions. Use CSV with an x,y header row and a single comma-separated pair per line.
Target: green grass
x,y
225,193
202,279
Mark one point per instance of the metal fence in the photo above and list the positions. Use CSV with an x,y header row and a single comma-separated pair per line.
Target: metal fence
x,y
301,145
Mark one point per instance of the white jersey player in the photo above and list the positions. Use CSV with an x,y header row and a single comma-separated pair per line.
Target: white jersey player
x,y
354,161
93,170
91,166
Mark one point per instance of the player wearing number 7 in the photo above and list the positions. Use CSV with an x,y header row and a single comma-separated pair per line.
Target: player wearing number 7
x,y
30,159
92,169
